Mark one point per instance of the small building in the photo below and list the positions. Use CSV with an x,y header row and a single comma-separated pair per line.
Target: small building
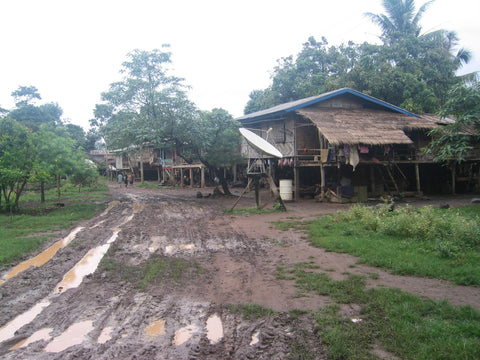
x,y
347,145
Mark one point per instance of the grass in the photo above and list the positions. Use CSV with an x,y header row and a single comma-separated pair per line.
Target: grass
x,y
251,311
254,210
156,270
439,243
403,324
37,223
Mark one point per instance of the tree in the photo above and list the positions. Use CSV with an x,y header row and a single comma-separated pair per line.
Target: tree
x,y
455,141
145,105
17,162
25,95
213,139
400,19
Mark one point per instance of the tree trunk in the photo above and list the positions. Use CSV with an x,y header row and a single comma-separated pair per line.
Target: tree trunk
x,y
142,178
58,187
223,182
42,192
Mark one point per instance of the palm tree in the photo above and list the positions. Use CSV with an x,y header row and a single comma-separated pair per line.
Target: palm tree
x,y
400,19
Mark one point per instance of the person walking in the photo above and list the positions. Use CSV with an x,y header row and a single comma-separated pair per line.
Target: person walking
x,y
131,177
126,180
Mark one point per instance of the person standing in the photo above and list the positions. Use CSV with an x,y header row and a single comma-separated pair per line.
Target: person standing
x,y
120,179
126,180
131,177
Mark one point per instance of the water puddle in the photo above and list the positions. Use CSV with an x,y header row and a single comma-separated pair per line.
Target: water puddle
x,y
9,329
138,207
111,205
42,334
155,244
86,266
74,335
156,328
214,329
169,249
105,335
97,224
255,338
44,256
184,334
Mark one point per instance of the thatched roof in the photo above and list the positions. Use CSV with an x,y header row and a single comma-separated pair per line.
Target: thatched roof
x,y
364,126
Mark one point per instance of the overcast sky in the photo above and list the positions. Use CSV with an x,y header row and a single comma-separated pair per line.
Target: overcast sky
x,y
72,50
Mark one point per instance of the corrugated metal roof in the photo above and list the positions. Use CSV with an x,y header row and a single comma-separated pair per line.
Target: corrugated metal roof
x,y
283,109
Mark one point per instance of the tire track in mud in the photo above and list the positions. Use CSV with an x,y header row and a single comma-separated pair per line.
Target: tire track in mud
x,y
105,317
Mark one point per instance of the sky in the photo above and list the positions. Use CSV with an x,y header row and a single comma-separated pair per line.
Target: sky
x,y
71,51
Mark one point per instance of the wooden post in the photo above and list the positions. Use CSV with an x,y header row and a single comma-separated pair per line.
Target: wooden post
x,y
417,177
181,177
372,179
158,174
322,182
257,190
234,173
202,177
191,177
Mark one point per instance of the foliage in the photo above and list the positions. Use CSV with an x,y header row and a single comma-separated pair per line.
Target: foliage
x,y
456,140
38,222
400,19
394,321
145,106
409,70
36,145
17,163
211,138
441,243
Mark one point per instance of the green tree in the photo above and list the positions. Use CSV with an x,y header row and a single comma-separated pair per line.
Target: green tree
x,y
401,19
25,95
213,139
454,142
145,105
17,162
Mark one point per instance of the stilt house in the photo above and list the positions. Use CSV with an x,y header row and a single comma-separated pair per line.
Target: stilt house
x,y
349,145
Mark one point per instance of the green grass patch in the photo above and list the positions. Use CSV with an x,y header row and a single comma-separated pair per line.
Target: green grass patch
x,y
251,311
37,223
156,270
439,243
253,211
402,324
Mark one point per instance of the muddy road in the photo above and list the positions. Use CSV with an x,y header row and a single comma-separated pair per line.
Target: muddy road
x,y
93,293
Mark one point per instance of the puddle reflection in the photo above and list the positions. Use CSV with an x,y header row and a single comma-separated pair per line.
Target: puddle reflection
x,y
44,256
214,329
184,334
42,334
156,328
74,335
8,330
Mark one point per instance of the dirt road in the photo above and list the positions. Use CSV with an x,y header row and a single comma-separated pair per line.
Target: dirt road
x,y
75,305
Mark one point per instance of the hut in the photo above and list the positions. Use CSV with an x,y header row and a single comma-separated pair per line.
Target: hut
x,y
347,145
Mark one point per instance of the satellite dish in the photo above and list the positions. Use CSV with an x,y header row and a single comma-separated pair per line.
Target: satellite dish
x,y
259,144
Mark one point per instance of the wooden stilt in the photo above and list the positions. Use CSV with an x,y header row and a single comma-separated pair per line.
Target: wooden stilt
x,y
417,177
